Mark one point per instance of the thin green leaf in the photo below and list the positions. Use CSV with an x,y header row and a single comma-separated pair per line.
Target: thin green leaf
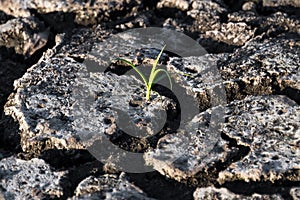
x,y
136,69
165,71
156,62
156,80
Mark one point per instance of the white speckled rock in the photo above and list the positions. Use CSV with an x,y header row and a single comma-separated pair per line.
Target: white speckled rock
x,y
212,193
33,179
269,125
108,187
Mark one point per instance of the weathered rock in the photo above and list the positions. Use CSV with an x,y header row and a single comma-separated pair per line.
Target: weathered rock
x,y
207,14
192,154
224,194
270,3
182,4
232,33
270,127
33,179
295,193
271,70
86,12
108,187
268,25
26,35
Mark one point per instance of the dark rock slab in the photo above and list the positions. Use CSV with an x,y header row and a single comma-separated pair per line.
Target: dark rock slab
x,y
207,14
25,35
29,179
270,127
224,194
108,187
85,12
267,125
270,25
246,71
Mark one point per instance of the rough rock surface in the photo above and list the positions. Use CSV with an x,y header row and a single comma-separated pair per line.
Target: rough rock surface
x,y
26,35
85,12
224,194
237,145
33,179
246,71
268,126
108,187
51,100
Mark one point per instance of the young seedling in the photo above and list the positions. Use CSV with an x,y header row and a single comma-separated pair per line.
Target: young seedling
x,y
153,75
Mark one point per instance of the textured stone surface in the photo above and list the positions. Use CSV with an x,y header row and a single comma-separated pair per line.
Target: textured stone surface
x,y
270,25
33,179
244,72
207,15
277,3
86,12
268,125
108,187
224,194
51,100
251,149
26,35
232,33
191,155
182,4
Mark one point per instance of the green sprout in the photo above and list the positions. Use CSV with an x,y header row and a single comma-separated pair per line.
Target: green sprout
x,y
153,75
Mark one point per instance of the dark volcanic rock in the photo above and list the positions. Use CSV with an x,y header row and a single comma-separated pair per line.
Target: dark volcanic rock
x,y
26,35
20,179
86,12
224,194
51,100
267,125
108,187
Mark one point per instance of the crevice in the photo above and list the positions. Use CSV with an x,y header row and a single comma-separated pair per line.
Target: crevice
x,y
75,175
261,187
158,186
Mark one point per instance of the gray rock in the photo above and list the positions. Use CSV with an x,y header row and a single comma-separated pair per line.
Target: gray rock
x,y
108,187
207,14
232,33
191,154
211,192
270,127
268,25
52,98
86,12
33,179
246,71
270,3
25,35
182,4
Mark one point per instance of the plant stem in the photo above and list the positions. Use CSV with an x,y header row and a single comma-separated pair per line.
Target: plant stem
x,y
148,94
